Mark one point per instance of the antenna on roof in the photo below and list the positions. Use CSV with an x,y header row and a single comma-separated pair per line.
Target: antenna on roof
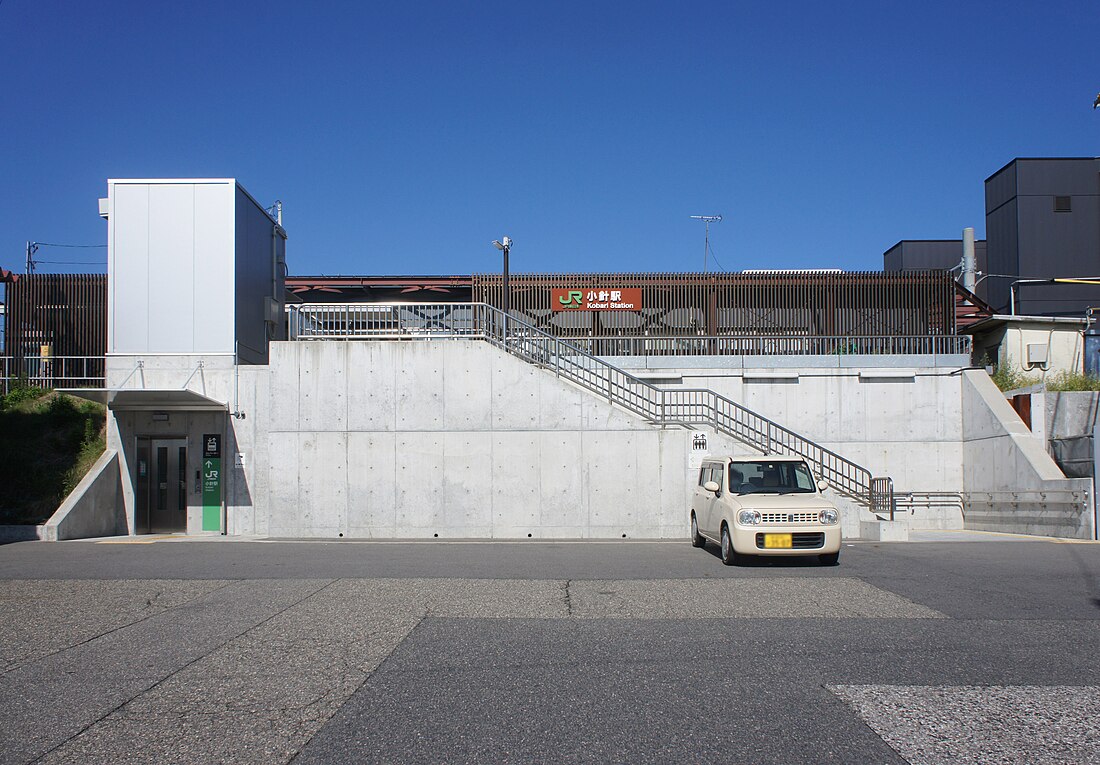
x,y
707,219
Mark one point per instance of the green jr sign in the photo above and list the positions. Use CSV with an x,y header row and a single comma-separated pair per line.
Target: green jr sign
x,y
211,482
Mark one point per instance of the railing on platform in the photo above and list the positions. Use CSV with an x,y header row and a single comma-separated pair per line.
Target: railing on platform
x,y
774,345
567,359
403,321
52,372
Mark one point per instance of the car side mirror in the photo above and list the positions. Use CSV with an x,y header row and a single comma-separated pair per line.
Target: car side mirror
x,y
712,486
822,485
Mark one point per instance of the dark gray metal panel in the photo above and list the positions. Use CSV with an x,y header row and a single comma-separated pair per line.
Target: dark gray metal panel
x,y
1002,253
924,254
1050,177
1059,244
257,278
1000,187
892,259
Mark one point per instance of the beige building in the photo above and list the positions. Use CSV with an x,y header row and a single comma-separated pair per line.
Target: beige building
x,y
1034,345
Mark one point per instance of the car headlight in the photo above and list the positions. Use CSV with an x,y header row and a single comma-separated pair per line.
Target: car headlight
x,y
829,516
748,517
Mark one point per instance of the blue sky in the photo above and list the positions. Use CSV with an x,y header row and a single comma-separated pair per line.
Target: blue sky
x,y
405,137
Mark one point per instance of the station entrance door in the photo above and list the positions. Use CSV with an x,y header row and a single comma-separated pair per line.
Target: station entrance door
x,y
160,485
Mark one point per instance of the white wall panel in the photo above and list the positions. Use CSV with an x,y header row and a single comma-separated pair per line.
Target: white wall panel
x,y
212,326
171,268
128,270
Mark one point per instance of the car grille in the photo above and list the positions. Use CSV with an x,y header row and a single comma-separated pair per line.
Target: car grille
x,y
803,541
788,517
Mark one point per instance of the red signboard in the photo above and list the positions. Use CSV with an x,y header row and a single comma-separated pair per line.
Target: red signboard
x,y
602,299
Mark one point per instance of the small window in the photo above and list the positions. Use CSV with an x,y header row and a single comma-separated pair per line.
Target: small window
x,y
704,474
716,475
1063,204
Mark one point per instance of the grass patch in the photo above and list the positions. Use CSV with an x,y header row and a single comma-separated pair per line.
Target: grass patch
x,y
1063,381
47,443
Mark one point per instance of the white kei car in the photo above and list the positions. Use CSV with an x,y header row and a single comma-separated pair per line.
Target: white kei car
x,y
763,506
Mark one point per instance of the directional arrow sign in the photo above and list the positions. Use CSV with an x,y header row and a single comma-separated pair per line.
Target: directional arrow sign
x,y
212,482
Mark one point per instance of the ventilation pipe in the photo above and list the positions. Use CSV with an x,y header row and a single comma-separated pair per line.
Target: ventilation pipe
x,y
969,262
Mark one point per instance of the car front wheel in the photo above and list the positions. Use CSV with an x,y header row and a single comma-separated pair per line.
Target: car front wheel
x,y
829,559
696,538
728,554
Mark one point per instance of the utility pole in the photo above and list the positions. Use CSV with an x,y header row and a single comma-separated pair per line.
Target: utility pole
x,y
32,248
707,220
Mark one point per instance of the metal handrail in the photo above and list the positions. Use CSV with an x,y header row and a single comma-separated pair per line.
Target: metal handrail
x,y
685,407
52,371
774,345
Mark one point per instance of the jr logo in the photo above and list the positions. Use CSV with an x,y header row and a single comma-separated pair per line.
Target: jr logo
x,y
572,299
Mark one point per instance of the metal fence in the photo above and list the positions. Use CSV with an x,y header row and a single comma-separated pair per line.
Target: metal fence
x,y
52,372
688,407
774,345
60,315
410,320
805,304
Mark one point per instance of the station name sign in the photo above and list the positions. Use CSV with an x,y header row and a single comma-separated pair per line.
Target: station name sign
x,y
626,299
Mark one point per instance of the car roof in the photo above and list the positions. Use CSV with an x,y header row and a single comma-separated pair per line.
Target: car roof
x,y
757,458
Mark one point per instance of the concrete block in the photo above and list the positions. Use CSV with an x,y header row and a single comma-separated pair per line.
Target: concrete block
x,y
561,404
516,482
282,485
322,379
419,383
467,388
372,386
419,484
610,480
323,484
467,483
516,389
675,480
885,531
372,484
562,501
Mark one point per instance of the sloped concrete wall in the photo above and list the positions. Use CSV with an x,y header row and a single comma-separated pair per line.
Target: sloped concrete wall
x,y
94,508
1012,484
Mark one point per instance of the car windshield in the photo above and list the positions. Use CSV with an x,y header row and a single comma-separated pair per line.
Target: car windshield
x,y
770,477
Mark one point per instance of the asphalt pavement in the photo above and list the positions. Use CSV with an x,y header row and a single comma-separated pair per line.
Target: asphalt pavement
x,y
170,650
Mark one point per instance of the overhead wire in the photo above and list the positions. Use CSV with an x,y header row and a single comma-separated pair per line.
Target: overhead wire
x,y
52,244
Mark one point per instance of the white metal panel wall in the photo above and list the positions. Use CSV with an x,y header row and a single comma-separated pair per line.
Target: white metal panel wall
x,y
212,303
128,269
172,227
171,266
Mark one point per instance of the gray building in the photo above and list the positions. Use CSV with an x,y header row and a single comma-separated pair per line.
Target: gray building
x,y
1042,219
939,254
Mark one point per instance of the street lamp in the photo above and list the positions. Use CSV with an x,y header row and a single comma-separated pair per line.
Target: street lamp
x,y
504,246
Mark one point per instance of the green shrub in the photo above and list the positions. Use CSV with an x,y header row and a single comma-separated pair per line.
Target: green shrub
x,y
1065,381
21,393
1007,377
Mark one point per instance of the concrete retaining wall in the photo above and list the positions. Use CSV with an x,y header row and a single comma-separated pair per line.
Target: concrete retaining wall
x,y
903,422
1011,483
94,507
447,439
458,439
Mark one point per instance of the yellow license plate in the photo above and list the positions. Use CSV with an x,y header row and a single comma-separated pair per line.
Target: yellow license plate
x,y
772,541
